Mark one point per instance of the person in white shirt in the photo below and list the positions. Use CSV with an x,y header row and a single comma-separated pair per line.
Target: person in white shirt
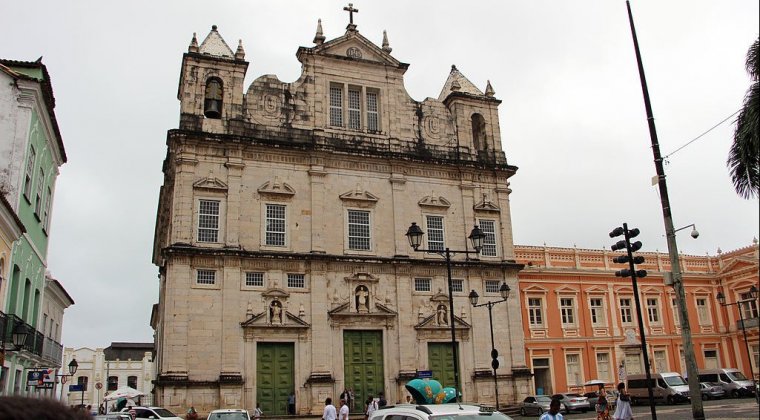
x,y
343,415
553,413
371,407
329,413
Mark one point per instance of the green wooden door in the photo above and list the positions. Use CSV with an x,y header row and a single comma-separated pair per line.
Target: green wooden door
x,y
274,376
363,364
440,361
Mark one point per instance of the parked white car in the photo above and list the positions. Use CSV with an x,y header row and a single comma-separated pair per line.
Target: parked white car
x,y
229,414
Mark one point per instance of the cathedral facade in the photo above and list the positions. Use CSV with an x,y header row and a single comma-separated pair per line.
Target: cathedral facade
x,y
280,234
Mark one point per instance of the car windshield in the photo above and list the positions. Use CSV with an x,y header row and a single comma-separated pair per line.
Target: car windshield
x,y
228,416
543,399
674,380
736,376
164,412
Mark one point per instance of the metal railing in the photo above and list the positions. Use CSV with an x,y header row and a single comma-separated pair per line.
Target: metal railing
x,y
34,339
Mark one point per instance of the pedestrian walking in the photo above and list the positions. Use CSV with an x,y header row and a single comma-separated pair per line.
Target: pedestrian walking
x,y
257,413
343,415
292,403
192,414
329,412
623,406
369,407
553,413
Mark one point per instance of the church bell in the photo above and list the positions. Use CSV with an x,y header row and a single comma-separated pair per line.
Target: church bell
x,y
212,109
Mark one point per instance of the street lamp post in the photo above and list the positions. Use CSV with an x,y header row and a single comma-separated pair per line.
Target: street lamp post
x,y
504,292
414,234
752,296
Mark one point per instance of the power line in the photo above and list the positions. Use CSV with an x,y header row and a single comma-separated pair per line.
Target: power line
x,y
699,136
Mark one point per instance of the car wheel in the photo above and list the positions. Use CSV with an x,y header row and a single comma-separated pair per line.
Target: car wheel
x,y
540,411
523,413
670,400
734,394
705,397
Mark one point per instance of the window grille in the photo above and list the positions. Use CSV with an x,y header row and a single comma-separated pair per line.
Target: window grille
x,y
457,285
354,109
275,228
208,221
421,285
336,106
372,112
254,279
205,277
296,281
435,233
489,242
492,286
358,230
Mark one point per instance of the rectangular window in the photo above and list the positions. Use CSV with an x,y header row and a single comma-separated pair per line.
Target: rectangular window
x,y
275,227
573,363
749,307
597,312
676,317
296,281
208,221
702,312
372,112
46,215
535,312
336,106
354,109
421,285
625,311
205,277
489,242
711,359
82,380
132,381
358,230
435,233
603,366
492,286
28,174
566,308
457,285
660,361
113,383
652,311
254,279
755,350
38,197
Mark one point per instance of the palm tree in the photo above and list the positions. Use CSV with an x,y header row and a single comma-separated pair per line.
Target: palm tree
x,y
744,156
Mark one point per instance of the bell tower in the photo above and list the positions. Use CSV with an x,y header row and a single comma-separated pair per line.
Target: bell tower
x,y
476,115
211,84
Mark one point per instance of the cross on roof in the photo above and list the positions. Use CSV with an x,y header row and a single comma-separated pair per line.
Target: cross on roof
x,y
350,9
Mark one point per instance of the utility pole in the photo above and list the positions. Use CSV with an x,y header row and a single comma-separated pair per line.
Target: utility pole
x,y
695,392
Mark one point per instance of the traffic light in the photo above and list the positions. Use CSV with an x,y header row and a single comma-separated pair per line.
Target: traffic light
x,y
628,258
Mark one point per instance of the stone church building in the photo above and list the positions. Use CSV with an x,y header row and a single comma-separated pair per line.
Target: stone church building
x,y
280,234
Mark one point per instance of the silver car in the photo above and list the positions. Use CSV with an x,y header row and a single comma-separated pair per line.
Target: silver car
x,y
537,405
573,402
711,390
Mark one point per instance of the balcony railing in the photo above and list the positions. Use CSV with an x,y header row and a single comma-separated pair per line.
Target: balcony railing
x,y
748,323
53,352
34,339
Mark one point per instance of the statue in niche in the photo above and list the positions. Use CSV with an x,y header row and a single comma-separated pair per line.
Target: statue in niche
x,y
275,312
362,299
441,316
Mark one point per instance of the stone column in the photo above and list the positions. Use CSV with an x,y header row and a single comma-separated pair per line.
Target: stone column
x,y
235,168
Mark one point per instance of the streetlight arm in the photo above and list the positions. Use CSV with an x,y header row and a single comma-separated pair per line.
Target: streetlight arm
x,y
489,303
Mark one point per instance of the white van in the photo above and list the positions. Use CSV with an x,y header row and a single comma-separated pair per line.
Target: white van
x,y
731,379
667,387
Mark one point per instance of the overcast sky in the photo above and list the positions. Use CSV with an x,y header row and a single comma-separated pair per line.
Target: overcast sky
x,y
572,117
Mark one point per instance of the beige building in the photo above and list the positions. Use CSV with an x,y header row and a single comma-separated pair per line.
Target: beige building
x,y
280,234
103,370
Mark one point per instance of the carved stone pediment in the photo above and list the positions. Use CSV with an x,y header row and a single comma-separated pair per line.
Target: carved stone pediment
x,y
362,277
486,206
431,322
434,202
344,310
210,183
276,188
275,292
260,320
359,195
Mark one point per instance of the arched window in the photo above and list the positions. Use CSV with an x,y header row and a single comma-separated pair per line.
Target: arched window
x,y
27,298
212,104
479,132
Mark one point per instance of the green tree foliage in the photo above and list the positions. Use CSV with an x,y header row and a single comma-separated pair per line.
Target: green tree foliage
x,y
744,156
